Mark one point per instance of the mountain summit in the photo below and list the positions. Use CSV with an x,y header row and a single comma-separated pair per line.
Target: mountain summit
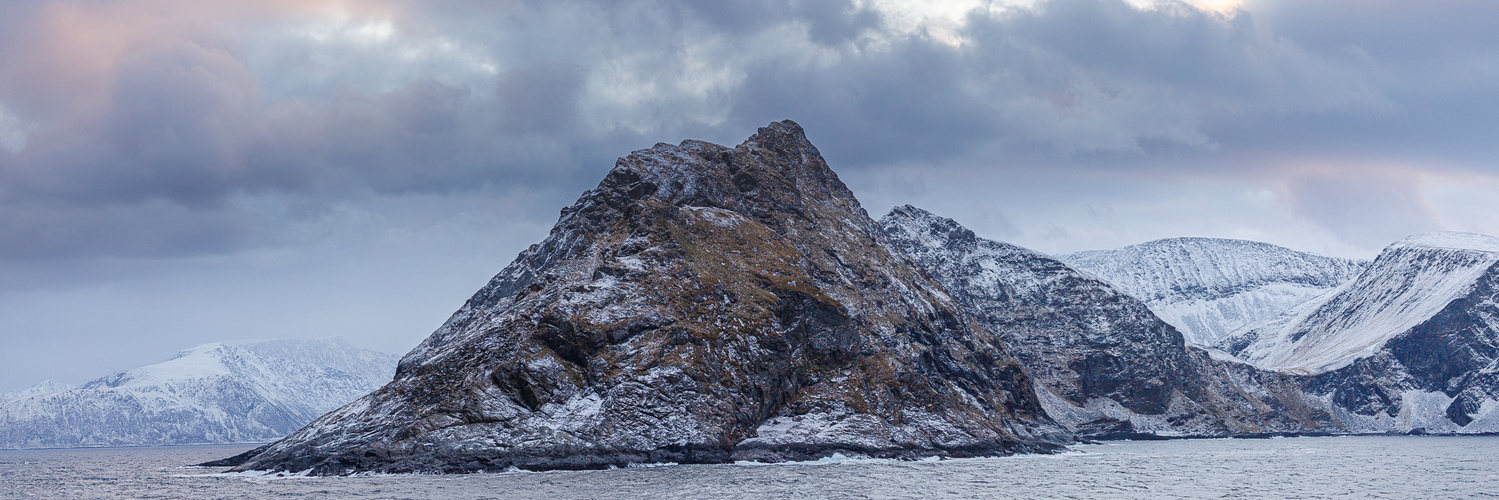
x,y
702,304
1210,287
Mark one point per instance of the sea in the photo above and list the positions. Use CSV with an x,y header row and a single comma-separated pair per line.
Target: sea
x,y
1306,467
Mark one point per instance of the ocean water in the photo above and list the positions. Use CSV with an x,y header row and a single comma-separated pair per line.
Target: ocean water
x,y
1328,467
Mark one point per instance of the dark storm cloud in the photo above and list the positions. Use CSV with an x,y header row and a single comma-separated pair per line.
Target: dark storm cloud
x,y
147,230
174,172
1070,76
908,102
1438,62
828,22
538,99
202,113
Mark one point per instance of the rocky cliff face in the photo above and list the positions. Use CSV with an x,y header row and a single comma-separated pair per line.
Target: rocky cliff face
x,y
702,304
213,393
1105,366
1209,287
1412,343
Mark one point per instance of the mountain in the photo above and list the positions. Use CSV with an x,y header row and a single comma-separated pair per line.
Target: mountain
x,y
44,387
1104,365
703,304
212,393
1411,343
1210,287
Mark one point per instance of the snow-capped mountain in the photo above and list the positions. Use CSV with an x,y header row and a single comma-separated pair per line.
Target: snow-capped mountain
x,y
212,393
1210,287
44,387
1412,342
1104,365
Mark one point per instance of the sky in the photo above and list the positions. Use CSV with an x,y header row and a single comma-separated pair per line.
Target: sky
x,y
175,173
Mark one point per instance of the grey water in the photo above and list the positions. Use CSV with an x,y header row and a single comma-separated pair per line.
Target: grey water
x,y
1323,467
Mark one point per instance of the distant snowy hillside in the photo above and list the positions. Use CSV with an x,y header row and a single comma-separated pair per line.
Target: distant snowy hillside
x,y
1411,281
45,387
1209,287
1104,365
1413,342
212,393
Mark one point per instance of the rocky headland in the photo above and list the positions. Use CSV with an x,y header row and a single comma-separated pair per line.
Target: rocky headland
x,y
703,304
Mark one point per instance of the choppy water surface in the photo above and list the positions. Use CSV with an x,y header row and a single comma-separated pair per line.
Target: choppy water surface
x,y
1397,467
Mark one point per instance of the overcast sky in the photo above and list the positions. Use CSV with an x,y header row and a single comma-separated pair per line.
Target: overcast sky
x,y
174,173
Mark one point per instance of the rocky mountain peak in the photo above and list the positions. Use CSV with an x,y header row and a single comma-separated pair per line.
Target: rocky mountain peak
x,y
702,304
774,172
776,178
921,223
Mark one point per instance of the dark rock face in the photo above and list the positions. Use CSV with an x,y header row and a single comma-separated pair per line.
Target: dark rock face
x,y
1412,343
1455,353
1104,364
703,304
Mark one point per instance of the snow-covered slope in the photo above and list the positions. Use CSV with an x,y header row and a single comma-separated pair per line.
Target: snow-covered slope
x,y
1411,281
212,393
1413,342
1209,287
43,387
1104,365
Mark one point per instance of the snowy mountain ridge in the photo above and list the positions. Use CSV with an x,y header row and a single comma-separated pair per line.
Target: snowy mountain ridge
x,y
1211,287
212,393
1411,281
1412,343
1104,364
43,387
1453,240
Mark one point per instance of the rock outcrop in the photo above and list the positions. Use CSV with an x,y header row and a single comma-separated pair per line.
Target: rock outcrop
x,y
1209,288
1412,344
1104,365
702,304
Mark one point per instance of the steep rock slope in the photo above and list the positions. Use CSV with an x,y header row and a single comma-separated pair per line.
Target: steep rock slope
x,y
213,393
702,304
1209,287
1104,364
1412,343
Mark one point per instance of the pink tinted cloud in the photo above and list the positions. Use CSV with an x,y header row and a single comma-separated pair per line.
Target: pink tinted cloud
x,y
1365,204
60,57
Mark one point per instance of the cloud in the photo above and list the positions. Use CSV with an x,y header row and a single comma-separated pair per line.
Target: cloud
x,y
1363,206
147,230
127,106
540,98
360,167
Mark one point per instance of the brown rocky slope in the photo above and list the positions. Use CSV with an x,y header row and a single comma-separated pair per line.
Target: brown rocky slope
x,y
703,304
